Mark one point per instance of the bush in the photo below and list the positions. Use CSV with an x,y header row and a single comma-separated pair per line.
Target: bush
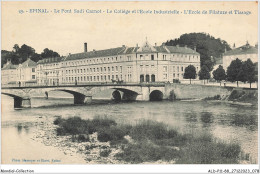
x,y
83,138
105,153
146,152
149,130
114,133
58,121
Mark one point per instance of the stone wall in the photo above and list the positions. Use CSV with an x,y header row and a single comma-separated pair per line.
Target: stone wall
x,y
186,91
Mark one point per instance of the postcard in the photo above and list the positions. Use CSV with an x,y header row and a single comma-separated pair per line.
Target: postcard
x,y
169,83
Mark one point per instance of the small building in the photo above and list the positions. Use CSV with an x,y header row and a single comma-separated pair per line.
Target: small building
x,y
26,72
9,73
243,53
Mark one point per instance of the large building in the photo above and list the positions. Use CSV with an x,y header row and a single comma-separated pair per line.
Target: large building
x,y
9,73
129,64
48,70
243,53
122,64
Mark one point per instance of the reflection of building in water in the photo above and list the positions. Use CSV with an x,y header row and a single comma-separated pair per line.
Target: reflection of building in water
x,y
131,64
9,73
243,53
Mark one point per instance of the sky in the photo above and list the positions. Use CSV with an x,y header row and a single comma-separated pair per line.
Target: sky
x,y
66,32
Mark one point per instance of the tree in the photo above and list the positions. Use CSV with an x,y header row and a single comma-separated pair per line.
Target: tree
x,y
249,73
204,73
209,47
235,71
25,52
190,72
219,74
49,53
16,48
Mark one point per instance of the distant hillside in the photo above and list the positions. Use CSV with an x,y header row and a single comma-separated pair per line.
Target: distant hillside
x,y
209,47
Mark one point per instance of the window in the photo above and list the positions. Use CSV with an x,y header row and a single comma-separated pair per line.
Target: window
x,y
120,68
173,68
141,56
152,57
105,69
164,68
116,68
182,68
33,76
112,68
33,69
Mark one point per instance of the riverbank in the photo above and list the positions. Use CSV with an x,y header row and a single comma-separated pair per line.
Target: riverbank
x,y
148,142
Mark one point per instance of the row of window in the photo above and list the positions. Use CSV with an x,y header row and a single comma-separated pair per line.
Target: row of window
x,y
101,69
93,78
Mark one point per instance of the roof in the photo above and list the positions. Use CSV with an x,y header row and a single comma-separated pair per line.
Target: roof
x,y
50,60
98,53
130,50
28,63
245,49
9,65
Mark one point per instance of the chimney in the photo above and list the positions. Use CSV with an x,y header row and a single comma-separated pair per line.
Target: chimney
x,y
137,45
94,50
155,44
195,49
234,46
85,47
256,45
123,46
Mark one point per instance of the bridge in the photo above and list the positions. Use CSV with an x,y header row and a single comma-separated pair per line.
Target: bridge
x,y
83,93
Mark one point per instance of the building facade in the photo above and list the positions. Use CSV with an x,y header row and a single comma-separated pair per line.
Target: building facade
x,y
142,64
9,73
243,53
129,64
26,72
48,71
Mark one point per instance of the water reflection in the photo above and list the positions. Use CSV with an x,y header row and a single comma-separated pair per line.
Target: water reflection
x,y
206,118
191,117
21,127
228,123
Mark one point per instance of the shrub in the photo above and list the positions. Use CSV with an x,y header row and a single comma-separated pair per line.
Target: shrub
x,y
83,138
105,153
146,152
149,130
58,121
74,125
114,133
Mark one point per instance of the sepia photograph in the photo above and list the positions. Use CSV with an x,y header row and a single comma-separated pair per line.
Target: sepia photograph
x,y
133,82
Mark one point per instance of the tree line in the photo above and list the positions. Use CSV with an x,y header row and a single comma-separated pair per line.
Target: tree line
x,y
20,54
238,70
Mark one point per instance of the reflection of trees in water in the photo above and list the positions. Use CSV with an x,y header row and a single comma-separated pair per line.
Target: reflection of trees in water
x,y
20,127
191,117
248,120
207,118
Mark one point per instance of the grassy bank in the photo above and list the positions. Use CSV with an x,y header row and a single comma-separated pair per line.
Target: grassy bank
x,y
150,141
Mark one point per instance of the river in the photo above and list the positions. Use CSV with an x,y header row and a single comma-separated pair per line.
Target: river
x,y
230,123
